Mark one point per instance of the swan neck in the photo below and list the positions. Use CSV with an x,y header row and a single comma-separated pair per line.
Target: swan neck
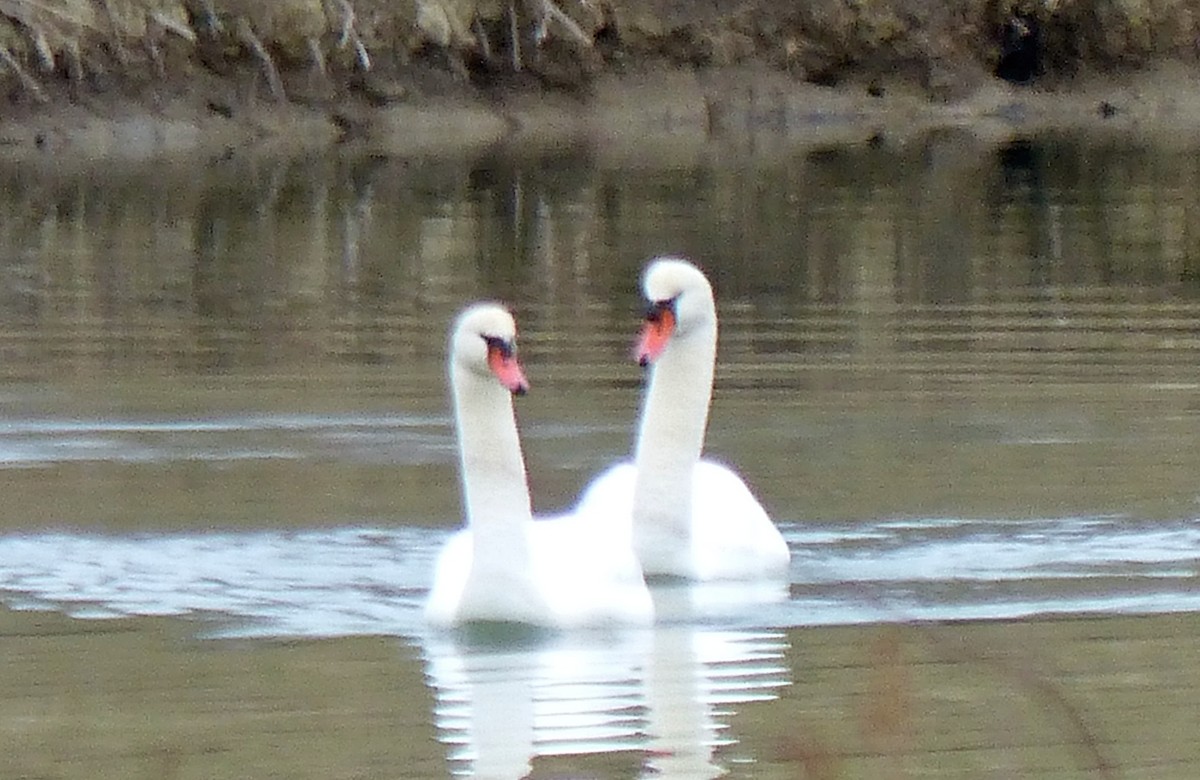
x,y
673,424
495,488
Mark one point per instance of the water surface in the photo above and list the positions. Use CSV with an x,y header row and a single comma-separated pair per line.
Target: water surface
x,y
962,379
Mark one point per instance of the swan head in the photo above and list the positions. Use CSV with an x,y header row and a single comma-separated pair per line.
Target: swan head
x,y
680,302
484,343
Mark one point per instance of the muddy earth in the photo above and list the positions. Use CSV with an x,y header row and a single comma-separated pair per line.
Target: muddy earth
x,y
148,77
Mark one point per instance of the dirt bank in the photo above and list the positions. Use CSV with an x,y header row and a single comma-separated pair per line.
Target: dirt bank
x,y
144,77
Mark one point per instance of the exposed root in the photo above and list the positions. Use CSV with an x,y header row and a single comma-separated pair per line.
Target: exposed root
x,y
74,62
544,14
364,59
211,21
514,32
349,35
485,46
317,56
79,41
247,36
28,82
550,11
118,45
158,25
42,47
153,52
172,25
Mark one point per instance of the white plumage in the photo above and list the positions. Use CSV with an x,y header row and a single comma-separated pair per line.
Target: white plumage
x,y
564,572
690,517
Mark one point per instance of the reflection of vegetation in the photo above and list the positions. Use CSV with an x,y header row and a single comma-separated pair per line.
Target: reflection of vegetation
x,y
269,261
1095,215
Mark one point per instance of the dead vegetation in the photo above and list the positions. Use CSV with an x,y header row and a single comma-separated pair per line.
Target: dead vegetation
x,y
78,39
944,48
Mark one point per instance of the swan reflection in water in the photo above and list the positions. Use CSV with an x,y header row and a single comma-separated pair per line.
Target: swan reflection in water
x,y
501,701
662,691
355,581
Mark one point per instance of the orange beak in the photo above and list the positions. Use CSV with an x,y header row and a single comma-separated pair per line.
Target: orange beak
x,y
656,332
502,360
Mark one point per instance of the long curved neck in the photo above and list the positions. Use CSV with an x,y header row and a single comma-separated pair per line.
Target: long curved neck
x,y
671,434
495,488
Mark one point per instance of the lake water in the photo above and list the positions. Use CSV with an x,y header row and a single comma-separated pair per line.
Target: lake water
x,y
965,381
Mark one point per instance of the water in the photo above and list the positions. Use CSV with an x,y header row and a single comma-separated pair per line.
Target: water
x,y
350,581
963,381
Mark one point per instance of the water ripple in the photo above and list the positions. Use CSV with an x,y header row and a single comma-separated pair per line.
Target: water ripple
x,y
373,438
346,581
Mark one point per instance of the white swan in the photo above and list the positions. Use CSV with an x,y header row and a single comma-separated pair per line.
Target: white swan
x,y
505,566
691,518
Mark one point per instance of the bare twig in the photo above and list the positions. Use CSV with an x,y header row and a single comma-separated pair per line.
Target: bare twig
x,y
514,32
172,25
45,53
151,44
485,46
74,62
28,82
114,26
348,23
552,11
211,21
247,36
360,49
1083,736
349,35
317,56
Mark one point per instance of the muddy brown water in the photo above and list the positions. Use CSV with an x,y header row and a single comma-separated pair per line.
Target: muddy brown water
x,y
963,379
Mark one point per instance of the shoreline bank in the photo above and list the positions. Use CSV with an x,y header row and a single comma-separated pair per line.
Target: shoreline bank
x,y
146,78
666,112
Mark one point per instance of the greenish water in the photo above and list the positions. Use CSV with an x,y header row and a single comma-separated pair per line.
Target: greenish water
x,y
962,379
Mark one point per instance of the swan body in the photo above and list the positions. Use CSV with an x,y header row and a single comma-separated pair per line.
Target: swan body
x,y
691,517
506,567
729,537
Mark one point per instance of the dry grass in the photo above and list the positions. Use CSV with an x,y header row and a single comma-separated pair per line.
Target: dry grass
x,y
77,38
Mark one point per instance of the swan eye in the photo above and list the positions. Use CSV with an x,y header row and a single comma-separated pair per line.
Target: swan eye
x,y
657,310
495,344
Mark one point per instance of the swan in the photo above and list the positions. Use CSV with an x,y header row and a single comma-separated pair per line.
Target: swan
x,y
691,517
505,566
